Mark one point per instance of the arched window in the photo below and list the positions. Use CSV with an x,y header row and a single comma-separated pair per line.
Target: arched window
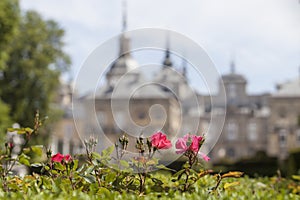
x,y
231,91
252,131
282,137
232,130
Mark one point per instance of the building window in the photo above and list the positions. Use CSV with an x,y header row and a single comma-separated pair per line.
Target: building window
x,y
282,113
60,145
71,147
298,137
251,151
231,153
68,131
232,131
232,90
252,131
282,137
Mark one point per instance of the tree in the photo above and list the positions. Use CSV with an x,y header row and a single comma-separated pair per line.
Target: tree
x,y
36,61
9,18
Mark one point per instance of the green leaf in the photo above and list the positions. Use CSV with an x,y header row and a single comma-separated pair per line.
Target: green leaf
x,y
103,191
186,165
152,162
110,177
80,169
24,159
179,173
107,152
89,178
157,181
59,166
164,168
37,149
96,155
75,166
36,165
26,150
124,163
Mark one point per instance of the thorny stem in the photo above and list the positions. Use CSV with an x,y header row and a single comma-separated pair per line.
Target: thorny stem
x,y
91,162
219,179
186,185
192,159
70,176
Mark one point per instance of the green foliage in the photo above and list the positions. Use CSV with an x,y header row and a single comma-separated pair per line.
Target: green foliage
x,y
42,187
293,165
63,177
34,66
5,120
9,18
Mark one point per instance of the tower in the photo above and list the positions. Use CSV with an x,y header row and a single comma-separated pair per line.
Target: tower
x,y
167,61
125,63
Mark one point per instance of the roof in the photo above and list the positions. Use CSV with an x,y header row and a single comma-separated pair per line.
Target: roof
x,y
130,85
288,89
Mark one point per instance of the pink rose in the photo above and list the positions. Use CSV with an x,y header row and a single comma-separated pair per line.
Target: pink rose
x,y
160,141
188,142
181,145
57,158
195,143
205,157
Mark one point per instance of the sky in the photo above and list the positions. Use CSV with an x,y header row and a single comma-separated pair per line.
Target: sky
x,y
262,37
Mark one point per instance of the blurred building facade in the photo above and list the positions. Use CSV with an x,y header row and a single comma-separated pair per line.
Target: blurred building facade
x,y
64,137
253,123
284,121
141,108
245,128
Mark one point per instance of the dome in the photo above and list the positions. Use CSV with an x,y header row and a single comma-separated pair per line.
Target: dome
x,y
233,78
124,64
131,64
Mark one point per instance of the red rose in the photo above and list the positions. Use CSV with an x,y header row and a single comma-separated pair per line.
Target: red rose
x,y
160,141
68,158
11,145
57,158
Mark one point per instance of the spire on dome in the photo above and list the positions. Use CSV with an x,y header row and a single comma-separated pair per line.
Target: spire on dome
x,y
124,40
124,15
184,68
232,67
167,62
